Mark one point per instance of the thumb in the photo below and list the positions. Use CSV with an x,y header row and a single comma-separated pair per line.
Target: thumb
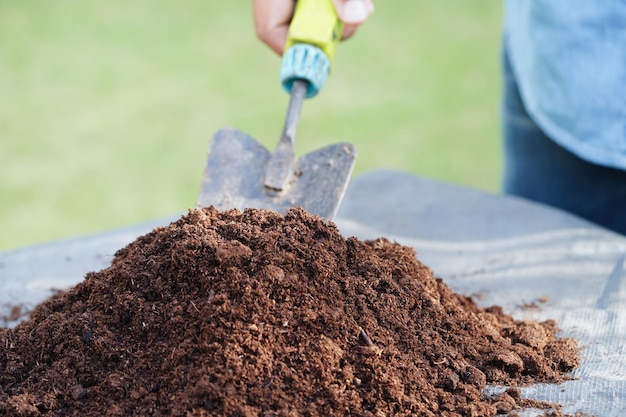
x,y
353,12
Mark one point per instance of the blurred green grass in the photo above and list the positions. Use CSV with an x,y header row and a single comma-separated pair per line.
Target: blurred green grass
x,y
107,108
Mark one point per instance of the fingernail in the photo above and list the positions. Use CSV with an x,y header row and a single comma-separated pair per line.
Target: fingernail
x,y
354,11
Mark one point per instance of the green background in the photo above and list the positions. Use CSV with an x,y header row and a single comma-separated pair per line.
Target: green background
x,y
107,108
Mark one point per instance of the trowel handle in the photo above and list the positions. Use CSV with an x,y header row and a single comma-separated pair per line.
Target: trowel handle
x,y
314,33
315,22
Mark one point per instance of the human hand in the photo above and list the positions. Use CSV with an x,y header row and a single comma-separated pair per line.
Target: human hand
x,y
272,18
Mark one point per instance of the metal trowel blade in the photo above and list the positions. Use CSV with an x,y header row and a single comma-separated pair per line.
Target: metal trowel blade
x,y
235,172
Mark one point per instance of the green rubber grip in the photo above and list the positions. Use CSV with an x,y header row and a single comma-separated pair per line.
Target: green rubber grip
x,y
315,22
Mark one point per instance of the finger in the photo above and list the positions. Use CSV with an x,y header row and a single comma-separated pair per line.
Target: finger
x,y
348,30
353,12
271,21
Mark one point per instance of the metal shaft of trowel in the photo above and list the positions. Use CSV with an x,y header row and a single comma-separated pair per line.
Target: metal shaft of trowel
x,y
281,164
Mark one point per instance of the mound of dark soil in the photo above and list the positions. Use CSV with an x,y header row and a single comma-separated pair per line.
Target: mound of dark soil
x,y
257,314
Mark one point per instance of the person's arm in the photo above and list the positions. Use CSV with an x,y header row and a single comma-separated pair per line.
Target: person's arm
x,y
272,17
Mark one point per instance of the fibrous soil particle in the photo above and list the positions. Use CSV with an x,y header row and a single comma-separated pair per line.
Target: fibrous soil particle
x,y
257,314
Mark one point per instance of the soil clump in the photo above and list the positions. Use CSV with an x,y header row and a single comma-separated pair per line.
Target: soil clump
x,y
257,314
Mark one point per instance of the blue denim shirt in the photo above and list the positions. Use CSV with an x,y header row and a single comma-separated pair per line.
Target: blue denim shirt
x,y
569,59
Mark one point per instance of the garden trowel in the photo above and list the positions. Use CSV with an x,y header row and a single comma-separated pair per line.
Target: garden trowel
x,y
241,173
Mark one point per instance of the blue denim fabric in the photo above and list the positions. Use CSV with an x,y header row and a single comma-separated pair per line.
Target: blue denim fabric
x,y
569,59
537,168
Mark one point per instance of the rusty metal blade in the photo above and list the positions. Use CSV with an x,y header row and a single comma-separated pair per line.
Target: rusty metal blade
x,y
234,177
